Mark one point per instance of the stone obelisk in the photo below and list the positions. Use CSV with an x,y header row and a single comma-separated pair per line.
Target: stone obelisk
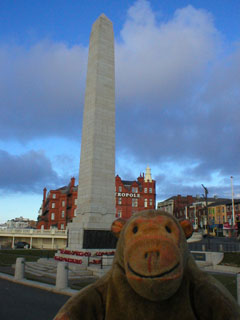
x,y
96,189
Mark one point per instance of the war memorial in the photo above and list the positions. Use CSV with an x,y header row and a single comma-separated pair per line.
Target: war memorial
x,y
89,234
90,229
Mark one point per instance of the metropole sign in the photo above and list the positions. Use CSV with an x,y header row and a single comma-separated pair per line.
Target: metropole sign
x,y
126,195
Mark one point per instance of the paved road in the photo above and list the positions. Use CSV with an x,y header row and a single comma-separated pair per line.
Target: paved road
x,y
26,303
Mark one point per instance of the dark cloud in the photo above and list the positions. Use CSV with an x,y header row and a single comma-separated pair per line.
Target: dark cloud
x,y
29,172
168,189
41,90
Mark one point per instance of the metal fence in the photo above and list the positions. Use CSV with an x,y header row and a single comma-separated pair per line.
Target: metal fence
x,y
3,232
214,247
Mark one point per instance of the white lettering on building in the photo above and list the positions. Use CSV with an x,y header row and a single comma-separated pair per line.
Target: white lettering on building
x,y
126,195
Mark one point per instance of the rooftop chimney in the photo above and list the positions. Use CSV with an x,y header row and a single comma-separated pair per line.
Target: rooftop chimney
x,y
44,195
72,182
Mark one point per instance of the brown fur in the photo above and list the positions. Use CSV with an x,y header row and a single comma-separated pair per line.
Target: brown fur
x,y
153,277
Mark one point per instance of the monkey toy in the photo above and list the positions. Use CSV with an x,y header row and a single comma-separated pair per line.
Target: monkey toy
x,y
153,277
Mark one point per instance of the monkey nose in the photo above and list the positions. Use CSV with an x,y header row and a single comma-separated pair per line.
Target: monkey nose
x,y
148,254
152,259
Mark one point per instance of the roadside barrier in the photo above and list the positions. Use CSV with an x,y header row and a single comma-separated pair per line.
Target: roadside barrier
x,y
62,276
238,288
19,269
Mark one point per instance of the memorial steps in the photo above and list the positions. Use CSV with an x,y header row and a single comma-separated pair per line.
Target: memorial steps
x,y
48,268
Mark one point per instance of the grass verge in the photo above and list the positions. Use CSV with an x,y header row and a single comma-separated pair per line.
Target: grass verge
x,y
229,282
231,259
8,257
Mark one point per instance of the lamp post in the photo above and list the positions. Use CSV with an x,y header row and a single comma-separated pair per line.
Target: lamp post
x,y
233,209
206,209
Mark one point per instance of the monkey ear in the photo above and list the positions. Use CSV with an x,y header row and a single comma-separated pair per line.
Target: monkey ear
x,y
187,228
117,226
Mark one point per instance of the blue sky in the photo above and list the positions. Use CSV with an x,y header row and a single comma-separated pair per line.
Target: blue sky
x,y
177,95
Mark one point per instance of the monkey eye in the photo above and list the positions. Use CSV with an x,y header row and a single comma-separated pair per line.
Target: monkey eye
x,y
168,229
135,229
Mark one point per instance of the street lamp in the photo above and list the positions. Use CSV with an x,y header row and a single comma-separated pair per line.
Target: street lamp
x,y
233,209
206,209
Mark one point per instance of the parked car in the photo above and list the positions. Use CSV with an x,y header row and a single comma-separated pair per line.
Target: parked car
x,y
22,245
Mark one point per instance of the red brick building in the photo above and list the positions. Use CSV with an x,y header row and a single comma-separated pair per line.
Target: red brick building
x,y
59,206
134,196
194,209
176,205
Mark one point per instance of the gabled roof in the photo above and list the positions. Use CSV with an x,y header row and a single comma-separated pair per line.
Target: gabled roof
x,y
129,183
196,199
183,197
223,201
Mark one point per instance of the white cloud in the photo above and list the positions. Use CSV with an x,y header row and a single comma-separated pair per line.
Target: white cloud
x,y
162,60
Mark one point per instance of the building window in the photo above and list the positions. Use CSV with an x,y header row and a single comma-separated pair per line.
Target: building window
x,y
63,213
119,213
120,189
150,202
134,189
54,196
63,203
75,212
134,203
62,226
145,203
145,190
53,205
52,216
75,201
119,200
150,190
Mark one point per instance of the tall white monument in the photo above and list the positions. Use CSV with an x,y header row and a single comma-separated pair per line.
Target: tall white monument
x,y
96,189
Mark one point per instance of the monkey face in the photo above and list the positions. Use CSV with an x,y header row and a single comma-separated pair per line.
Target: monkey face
x,y
153,255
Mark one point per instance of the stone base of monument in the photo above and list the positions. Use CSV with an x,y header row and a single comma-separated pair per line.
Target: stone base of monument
x,y
91,232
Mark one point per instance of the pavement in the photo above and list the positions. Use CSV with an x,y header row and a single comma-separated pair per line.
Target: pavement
x,y
38,285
